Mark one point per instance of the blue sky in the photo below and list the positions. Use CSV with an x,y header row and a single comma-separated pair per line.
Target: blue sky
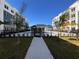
x,y
41,11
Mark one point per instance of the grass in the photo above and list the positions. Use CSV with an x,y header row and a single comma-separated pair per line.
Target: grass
x,y
14,48
62,49
72,40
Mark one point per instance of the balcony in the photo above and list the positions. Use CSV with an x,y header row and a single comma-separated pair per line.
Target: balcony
x,y
70,24
73,23
66,23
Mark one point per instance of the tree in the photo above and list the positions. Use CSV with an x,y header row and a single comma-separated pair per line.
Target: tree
x,y
23,7
63,18
77,34
27,26
19,24
57,24
19,20
1,22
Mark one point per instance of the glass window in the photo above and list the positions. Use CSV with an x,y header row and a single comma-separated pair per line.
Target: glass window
x,y
12,11
8,17
73,9
73,21
6,6
73,29
73,15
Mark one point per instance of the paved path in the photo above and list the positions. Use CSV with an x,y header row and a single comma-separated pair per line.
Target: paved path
x,y
38,50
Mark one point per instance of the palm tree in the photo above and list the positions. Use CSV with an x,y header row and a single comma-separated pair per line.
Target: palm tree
x,y
63,18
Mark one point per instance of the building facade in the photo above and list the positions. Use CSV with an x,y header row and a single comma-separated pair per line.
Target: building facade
x,y
40,29
10,18
68,20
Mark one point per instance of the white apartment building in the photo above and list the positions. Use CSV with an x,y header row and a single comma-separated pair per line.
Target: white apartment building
x,y
55,22
9,16
70,22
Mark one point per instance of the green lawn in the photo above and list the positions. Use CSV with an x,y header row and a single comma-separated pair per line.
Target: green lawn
x,y
14,48
62,49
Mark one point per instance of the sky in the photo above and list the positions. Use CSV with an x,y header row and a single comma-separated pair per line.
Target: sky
x,y
41,11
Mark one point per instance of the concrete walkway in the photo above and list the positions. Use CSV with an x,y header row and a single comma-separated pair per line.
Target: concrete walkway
x,y
38,50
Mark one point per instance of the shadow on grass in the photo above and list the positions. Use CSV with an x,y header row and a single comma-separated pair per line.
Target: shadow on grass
x,y
62,49
72,39
14,48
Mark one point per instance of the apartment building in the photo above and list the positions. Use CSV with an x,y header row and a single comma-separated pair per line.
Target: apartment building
x,y
68,20
55,22
10,18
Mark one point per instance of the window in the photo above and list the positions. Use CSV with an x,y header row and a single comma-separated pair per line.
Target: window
x,y
12,11
73,15
78,16
8,17
68,28
73,29
73,9
73,21
6,7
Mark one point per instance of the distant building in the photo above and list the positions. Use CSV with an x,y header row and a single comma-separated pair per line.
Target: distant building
x,y
44,28
68,20
10,18
40,29
48,28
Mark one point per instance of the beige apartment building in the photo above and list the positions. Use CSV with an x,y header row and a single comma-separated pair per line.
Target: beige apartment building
x,y
68,20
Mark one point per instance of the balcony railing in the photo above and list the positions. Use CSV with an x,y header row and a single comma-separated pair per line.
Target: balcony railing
x,y
73,23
